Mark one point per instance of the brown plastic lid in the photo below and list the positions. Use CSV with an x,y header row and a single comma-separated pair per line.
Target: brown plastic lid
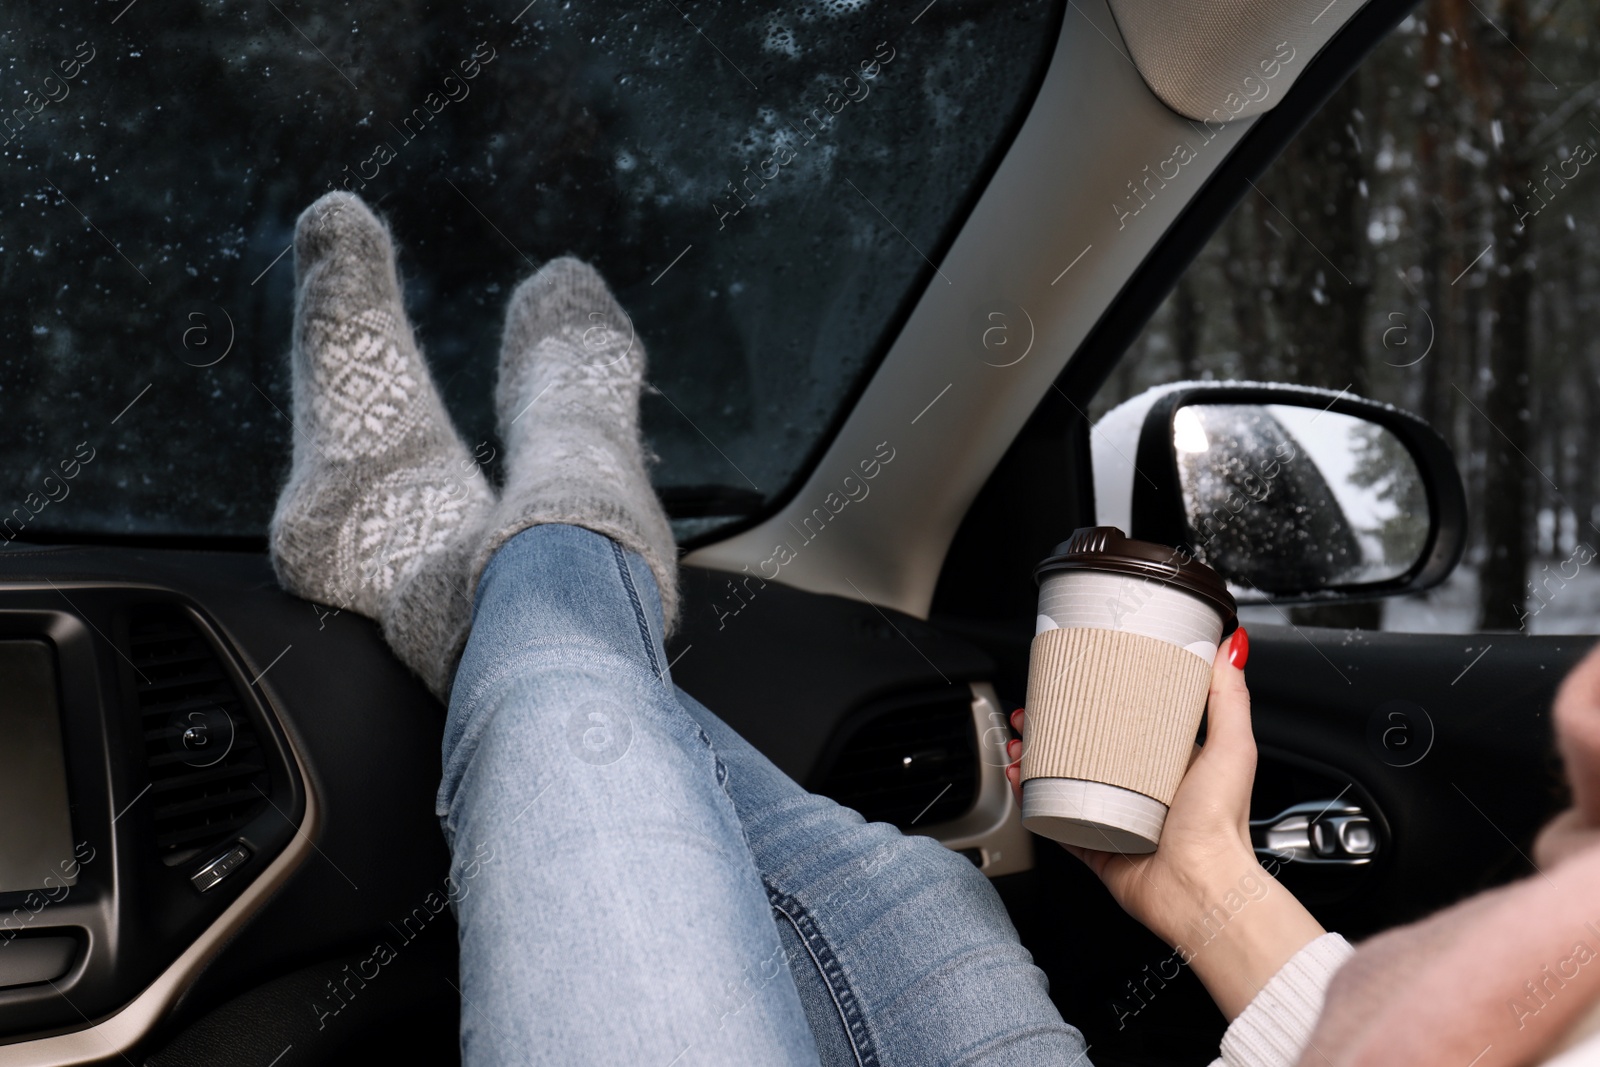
x,y
1108,549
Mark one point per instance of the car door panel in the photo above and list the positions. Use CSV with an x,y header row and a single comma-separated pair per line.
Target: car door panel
x,y
1456,819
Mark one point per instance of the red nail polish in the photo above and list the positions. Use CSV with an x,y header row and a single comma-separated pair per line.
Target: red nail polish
x,y
1239,648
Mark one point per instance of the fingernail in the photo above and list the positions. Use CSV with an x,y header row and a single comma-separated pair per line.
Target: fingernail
x,y
1239,648
1013,748
1014,716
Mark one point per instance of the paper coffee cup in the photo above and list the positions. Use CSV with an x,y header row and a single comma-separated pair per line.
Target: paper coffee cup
x,y
1117,681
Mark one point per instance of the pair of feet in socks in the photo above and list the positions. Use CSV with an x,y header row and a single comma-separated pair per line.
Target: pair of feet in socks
x,y
386,513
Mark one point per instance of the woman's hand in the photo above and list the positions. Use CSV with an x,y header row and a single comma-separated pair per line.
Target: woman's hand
x,y
1203,891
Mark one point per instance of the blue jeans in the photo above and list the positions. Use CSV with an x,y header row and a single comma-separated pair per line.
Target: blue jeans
x,y
637,885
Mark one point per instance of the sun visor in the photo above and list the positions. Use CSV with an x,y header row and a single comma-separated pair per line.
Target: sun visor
x,y
1219,60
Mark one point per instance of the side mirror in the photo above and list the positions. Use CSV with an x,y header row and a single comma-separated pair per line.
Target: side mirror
x,y
1292,494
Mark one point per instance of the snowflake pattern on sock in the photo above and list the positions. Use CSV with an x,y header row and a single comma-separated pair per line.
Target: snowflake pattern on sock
x,y
568,405
363,387
384,503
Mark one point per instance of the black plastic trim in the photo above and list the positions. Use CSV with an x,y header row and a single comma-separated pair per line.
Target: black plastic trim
x,y
253,544
132,913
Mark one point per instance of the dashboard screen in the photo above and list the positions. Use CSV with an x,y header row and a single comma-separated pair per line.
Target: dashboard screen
x,y
35,828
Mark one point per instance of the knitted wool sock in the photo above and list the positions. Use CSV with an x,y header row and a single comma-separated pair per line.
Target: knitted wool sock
x,y
384,504
568,406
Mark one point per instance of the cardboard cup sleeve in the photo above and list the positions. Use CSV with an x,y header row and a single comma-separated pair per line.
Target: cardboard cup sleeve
x,y
1115,708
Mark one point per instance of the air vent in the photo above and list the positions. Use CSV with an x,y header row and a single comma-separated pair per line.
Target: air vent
x,y
911,761
207,771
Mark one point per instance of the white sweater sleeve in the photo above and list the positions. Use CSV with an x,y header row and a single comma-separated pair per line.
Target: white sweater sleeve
x,y
1273,1029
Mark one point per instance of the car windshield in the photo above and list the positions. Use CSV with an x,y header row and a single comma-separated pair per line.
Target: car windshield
x,y
762,185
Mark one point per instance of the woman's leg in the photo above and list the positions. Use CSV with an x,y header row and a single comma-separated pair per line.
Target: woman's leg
x,y
616,915
609,908
901,949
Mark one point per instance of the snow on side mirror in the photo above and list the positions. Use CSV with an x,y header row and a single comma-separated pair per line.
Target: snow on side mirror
x,y
1293,494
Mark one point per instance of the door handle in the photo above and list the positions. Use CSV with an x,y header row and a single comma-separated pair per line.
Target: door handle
x,y
1318,831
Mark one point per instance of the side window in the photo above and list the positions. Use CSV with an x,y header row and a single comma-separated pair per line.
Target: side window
x,y
1430,240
